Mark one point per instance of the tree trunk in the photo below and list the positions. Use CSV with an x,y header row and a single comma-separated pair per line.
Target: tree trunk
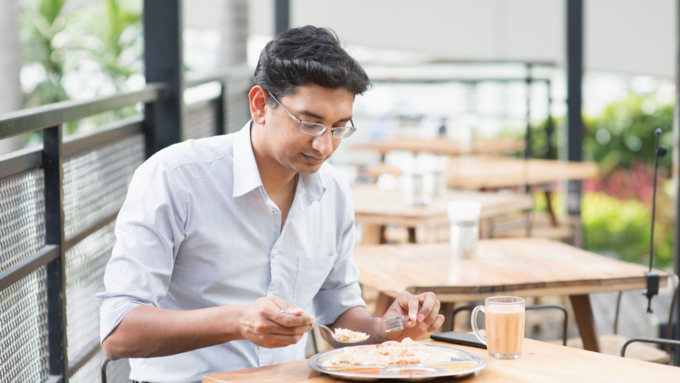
x,y
10,68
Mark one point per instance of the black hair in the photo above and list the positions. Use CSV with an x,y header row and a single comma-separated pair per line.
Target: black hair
x,y
308,54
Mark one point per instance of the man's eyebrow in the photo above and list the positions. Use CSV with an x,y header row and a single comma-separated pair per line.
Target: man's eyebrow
x,y
314,115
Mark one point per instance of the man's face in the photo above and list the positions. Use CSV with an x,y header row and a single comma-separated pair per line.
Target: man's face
x,y
312,103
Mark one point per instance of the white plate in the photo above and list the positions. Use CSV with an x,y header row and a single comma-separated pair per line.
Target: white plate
x,y
321,360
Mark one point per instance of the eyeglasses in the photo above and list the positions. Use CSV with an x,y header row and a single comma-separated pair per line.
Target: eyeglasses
x,y
314,129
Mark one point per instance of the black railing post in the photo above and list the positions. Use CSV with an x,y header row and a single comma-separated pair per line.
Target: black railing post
x,y
574,101
54,235
163,64
282,16
221,110
549,127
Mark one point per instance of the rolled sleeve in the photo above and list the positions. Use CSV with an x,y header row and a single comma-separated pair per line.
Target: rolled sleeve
x,y
341,291
149,230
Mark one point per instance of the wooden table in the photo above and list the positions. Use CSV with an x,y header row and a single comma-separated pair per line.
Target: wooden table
x,y
525,267
486,172
540,362
378,208
489,172
444,146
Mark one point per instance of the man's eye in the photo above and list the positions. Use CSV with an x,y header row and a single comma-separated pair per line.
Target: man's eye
x,y
310,125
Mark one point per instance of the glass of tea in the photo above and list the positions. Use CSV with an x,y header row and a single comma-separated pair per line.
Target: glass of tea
x,y
504,326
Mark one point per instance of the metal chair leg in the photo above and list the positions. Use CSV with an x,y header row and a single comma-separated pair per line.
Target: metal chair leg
x,y
103,369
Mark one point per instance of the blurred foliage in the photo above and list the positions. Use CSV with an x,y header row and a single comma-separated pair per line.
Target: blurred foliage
x,y
118,48
616,206
624,133
60,41
45,41
623,226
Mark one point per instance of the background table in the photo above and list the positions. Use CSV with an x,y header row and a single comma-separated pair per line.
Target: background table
x,y
486,172
525,267
378,208
444,146
540,362
489,172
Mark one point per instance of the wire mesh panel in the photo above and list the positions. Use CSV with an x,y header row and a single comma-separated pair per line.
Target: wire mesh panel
x,y
98,180
85,264
94,183
22,217
201,123
23,330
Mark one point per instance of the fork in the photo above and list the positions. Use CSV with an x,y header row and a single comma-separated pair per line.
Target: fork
x,y
394,323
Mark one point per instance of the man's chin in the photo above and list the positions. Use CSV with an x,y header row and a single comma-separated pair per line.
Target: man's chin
x,y
308,168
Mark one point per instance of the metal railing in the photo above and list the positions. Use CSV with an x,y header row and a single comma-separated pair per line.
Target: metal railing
x,y
58,202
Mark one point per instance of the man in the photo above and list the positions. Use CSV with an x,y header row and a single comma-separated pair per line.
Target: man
x,y
228,248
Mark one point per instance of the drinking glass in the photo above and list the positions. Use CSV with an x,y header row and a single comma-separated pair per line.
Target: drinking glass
x,y
463,227
504,326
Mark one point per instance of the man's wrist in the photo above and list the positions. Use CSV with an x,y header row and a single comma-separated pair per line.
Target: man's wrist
x,y
380,335
232,317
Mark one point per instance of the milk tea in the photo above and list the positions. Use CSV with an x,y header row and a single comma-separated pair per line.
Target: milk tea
x,y
504,329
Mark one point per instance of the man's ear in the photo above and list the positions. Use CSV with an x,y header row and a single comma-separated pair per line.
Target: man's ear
x,y
258,104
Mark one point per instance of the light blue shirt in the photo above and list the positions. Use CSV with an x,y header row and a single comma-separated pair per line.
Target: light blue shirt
x,y
198,230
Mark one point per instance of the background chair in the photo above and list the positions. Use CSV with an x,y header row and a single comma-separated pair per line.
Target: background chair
x,y
528,308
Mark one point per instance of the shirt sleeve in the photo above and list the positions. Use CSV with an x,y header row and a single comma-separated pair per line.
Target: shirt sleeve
x,y
340,291
149,230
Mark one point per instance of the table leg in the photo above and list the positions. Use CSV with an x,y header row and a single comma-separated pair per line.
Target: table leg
x,y
373,235
383,303
411,235
549,207
446,310
585,321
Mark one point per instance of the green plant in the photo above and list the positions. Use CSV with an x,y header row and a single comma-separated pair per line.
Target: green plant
x,y
119,34
624,133
46,42
623,227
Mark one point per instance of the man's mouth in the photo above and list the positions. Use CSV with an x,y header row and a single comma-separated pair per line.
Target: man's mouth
x,y
313,160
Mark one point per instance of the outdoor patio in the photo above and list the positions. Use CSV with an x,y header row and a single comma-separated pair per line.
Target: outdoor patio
x,y
552,225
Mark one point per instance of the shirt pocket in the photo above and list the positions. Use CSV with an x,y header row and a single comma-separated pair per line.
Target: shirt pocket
x,y
311,274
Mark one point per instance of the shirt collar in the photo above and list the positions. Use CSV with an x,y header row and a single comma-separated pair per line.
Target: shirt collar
x,y
247,175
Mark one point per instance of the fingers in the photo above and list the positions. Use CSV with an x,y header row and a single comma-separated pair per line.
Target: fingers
x,y
427,301
277,340
436,324
432,317
293,317
283,305
290,330
409,303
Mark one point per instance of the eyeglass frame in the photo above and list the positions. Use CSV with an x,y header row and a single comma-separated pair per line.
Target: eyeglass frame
x,y
352,128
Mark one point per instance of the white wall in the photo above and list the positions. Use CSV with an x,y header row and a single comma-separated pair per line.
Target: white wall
x,y
624,36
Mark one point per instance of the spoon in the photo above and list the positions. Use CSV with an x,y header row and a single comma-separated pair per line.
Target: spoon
x,y
333,333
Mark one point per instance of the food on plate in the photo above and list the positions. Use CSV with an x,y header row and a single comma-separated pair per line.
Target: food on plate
x,y
390,353
345,334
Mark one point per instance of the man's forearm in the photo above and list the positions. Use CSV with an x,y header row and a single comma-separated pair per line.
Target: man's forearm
x,y
151,331
358,319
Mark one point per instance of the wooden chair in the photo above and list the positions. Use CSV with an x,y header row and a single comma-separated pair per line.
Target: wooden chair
x,y
616,344
668,342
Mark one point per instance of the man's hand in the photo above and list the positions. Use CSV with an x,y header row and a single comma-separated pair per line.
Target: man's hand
x,y
422,312
265,325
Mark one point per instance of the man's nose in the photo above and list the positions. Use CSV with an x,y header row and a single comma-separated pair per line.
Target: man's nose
x,y
324,143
